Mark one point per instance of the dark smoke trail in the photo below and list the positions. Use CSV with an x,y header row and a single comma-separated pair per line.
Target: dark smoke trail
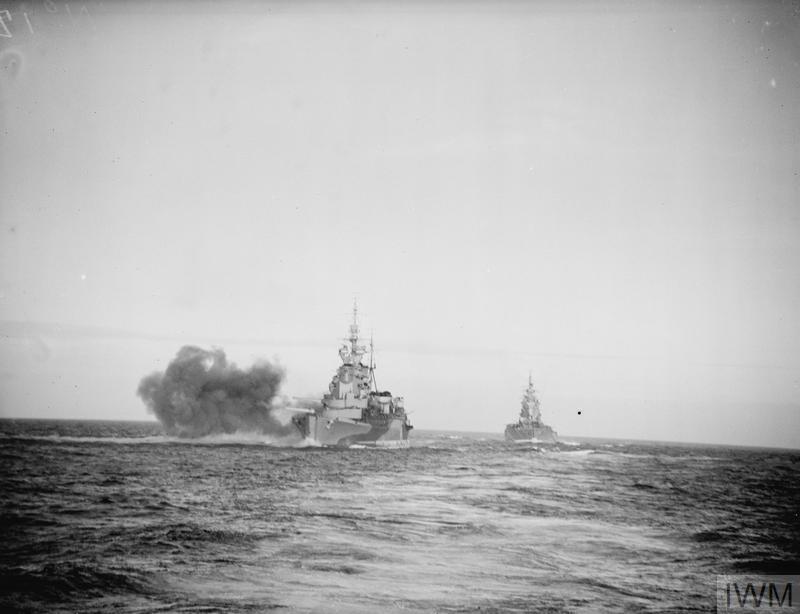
x,y
201,393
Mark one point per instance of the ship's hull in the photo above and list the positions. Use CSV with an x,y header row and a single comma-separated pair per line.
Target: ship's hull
x,y
541,433
387,431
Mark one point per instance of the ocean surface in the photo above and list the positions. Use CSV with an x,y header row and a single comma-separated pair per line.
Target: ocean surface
x,y
114,516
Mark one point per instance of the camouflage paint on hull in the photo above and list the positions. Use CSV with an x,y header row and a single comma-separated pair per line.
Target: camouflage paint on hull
x,y
543,433
330,431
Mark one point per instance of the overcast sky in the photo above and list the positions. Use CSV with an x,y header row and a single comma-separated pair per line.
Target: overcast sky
x,y
605,194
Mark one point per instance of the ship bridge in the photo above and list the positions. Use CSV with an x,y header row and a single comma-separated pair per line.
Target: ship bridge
x,y
349,390
351,354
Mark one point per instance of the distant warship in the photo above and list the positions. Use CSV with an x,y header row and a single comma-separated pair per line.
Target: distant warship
x,y
530,425
354,411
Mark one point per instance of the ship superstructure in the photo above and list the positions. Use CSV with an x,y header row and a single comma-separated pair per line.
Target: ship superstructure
x,y
530,425
354,411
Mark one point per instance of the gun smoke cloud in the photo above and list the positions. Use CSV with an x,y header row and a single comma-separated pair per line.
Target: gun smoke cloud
x,y
201,393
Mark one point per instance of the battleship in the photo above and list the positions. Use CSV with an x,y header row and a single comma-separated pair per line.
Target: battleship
x,y
530,426
354,411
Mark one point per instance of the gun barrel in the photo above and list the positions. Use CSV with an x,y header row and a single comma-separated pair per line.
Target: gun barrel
x,y
299,410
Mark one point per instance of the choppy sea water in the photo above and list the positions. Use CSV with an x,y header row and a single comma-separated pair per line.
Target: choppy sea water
x,y
101,516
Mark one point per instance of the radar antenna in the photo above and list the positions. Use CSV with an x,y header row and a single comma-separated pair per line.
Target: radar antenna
x,y
354,326
372,363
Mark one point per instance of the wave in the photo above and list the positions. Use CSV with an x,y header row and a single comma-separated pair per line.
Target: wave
x,y
238,438
55,581
308,442
91,439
